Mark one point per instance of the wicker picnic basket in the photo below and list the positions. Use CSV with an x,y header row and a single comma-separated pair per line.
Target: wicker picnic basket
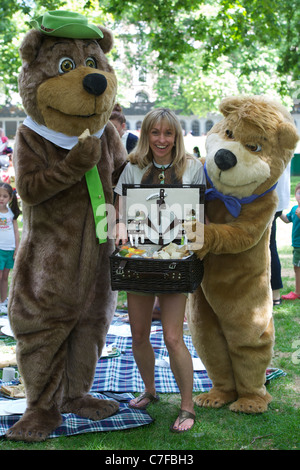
x,y
158,275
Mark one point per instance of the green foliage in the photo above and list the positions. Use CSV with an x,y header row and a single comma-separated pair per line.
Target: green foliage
x,y
13,25
205,49
175,26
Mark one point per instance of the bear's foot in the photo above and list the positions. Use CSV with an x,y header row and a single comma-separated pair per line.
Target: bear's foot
x,y
90,407
215,398
251,404
35,425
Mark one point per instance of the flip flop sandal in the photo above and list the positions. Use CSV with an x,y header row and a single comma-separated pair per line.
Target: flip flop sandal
x,y
277,302
183,416
149,396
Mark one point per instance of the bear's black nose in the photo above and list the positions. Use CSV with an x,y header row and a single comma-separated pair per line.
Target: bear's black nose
x,y
95,83
224,159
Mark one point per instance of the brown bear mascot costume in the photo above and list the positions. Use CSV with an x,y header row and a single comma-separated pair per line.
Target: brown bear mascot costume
x,y
230,314
61,303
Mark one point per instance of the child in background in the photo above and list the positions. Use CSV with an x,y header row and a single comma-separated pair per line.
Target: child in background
x,y
9,238
294,217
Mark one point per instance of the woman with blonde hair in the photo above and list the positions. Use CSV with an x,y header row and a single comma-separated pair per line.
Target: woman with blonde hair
x,y
160,158
142,155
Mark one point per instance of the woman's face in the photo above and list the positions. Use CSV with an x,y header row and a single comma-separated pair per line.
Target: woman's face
x,y
161,142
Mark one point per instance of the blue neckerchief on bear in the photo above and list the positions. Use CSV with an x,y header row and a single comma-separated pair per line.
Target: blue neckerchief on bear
x,y
233,204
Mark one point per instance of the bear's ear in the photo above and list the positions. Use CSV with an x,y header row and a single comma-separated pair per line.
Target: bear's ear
x,y
287,135
31,45
230,104
106,43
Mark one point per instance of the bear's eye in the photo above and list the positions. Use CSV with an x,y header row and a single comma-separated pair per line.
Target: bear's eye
x,y
90,62
253,147
66,65
229,134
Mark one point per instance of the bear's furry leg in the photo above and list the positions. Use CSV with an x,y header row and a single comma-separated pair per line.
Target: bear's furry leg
x,y
236,368
206,331
89,336
42,345
250,373
42,374
35,425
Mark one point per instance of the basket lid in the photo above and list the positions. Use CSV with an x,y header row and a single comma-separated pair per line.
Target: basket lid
x,y
156,213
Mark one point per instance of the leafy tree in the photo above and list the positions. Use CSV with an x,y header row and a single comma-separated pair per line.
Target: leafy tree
x,y
176,27
205,48
199,50
13,25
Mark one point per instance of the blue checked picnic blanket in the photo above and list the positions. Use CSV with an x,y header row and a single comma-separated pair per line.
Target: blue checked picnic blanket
x,y
72,424
117,377
122,375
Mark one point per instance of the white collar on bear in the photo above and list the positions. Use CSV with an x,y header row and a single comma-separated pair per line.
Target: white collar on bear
x,y
57,138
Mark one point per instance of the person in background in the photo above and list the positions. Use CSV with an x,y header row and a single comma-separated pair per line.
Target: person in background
x,y
196,152
294,217
160,158
283,193
9,238
3,141
118,119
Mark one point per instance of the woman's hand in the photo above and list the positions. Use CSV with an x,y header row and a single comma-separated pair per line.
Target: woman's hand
x,y
121,233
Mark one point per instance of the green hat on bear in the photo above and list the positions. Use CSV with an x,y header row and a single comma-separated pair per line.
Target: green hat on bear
x,y
66,24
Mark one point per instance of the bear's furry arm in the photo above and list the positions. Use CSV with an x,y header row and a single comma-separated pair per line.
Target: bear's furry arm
x,y
242,233
117,150
43,169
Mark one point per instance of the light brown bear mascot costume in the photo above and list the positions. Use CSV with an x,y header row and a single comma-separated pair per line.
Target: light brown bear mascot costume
x,y
230,314
61,303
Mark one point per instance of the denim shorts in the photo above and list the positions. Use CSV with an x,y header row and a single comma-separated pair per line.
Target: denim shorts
x,y
6,259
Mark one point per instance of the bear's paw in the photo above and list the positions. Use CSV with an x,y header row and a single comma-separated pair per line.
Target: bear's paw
x,y
90,407
215,398
251,404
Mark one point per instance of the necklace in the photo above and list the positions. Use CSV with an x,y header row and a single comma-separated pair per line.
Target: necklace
x,y
163,168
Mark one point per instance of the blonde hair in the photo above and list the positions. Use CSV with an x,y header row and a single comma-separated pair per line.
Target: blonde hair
x,y
142,153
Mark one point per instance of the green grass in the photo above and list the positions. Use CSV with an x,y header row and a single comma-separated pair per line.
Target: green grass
x,y
277,429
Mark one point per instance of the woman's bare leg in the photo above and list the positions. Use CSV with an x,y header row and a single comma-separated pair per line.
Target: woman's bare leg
x,y
140,309
172,317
